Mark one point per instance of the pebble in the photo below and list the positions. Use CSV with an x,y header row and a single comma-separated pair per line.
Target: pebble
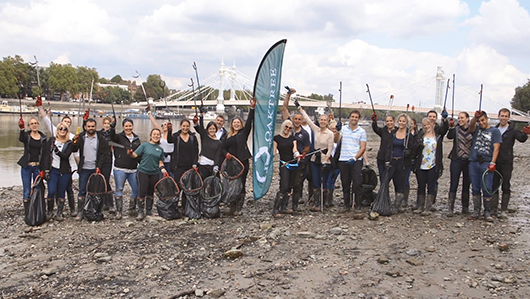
x,y
234,253
126,291
431,249
217,293
129,224
199,293
415,262
50,271
335,230
498,266
104,259
459,224
413,252
497,278
305,234
503,247
383,260
265,226
100,254
320,237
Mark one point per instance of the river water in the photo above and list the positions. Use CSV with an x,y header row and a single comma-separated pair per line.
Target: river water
x,y
11,149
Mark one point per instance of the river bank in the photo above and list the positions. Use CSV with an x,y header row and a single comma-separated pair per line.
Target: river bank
x,y
307,255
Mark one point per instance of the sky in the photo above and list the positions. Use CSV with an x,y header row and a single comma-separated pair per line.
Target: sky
x,y
395,46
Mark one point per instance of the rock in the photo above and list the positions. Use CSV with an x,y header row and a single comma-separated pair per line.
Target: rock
x,y
165,268
383,260
373,215
126,291
100,254
498,266
320,237
358,216
497,278
431,249
217,293
459,225
335,230
234,253
199,293
393,273
413,252
129,224
409,280
305,234
104,259
415,262
49,271
265,226
510,279
503,247
262,242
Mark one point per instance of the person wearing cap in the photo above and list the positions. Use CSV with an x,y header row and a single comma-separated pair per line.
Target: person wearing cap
x,y
482,163
125,167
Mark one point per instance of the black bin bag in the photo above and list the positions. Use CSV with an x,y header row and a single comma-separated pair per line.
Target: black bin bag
x,y
192,184
96,189
211,197
37,205
231,170
168,192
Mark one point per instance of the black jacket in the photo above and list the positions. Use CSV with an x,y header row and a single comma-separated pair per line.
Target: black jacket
x,y
508,140
175,138
386,137
453,134
64,154
121,159
24,137
408,151
419,152
103,155
210,148
243,153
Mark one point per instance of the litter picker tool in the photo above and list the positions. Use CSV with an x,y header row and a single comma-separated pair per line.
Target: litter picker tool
x,y
143,88
446,91
340,103
370,95
307,155
480,102
453,100
390,103
163,85
198,84
114,144
192,85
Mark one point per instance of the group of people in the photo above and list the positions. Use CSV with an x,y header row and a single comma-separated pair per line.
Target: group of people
x,y
314,151
141,164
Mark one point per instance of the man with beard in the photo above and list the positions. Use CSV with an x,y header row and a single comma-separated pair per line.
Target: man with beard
x,y
505,161
94,151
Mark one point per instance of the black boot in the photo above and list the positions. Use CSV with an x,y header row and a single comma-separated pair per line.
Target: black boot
x,y
316,200
119,207
477,206
347,201
296,200
358,202
420,203
239,205
110,202
133,202
329,198
451,204
494,204
406,192
80,206
276,206
432,208
505,201
487,211
26,206
60,207
429,200
465,203
149,206
325,198
284,203
141,209
50,203
398,207
71,204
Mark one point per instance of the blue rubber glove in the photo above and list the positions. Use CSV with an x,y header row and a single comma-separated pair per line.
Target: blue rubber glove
x,y
351,161
339,126
445,114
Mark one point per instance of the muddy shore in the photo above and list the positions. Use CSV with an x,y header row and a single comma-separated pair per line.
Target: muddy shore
x,y
307,255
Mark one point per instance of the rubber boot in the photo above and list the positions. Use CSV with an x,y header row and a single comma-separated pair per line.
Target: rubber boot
x,y
119,207
316,200
50,203
465,203
398,208
505,201
487,211
233,207
110,202
428,205
71,204
325,198
494,205
432,208
133,202
80,206
358,202
283,204
149,206
277,204
329,198
420,203
240,201
451,204
406,192
26,206
347,202
296,200
59,212
477,205
141,209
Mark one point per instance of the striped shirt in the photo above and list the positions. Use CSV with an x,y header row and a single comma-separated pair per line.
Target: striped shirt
x,y
351,142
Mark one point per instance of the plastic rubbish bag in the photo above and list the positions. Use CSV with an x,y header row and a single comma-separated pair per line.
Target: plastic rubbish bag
x,y
37,204
96,191
168,193
192,183
231,170
211,196
382,204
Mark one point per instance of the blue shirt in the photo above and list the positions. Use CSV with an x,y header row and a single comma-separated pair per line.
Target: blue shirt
x,y
483,141
351,142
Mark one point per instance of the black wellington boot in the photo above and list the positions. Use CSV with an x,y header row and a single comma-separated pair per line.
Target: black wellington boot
x,y
133,202
59,212
276,206
119,207
80,206
420,204
26,206
141,209
316,200
465,203
487,211
451,204
110,202
71,204
149,206
406,192
494,205
50,204
477,206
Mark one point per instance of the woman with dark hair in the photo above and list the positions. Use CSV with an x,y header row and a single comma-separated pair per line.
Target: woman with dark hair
x,y
235,145
151,157
285,144
386,136
125,167
55,163
185,153
211,148
108,202
29,162
427,166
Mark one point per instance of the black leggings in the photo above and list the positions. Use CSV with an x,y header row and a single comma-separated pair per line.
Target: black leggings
x,y
146,184
243,176
105,171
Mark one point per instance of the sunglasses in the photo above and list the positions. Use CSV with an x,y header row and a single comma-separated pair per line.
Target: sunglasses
x,y
287,127
62,129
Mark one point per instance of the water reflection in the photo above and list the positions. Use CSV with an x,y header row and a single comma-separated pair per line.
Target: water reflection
x,y
11,149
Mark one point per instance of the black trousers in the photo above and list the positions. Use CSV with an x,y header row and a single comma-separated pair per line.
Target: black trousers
x,y
398,174
352,180
506,171
146,184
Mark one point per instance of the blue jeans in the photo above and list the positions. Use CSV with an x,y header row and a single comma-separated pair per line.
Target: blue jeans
x,y
28,175
475,174
459,166
84,174
58,183
320,175
120,177
332,178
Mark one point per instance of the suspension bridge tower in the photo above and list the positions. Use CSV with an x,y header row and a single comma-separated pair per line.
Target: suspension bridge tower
x,y
440,86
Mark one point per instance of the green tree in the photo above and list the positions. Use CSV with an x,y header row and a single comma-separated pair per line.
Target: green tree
x,y
521,99
117,79
62,78
103,80
8,80
114,95
85,77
